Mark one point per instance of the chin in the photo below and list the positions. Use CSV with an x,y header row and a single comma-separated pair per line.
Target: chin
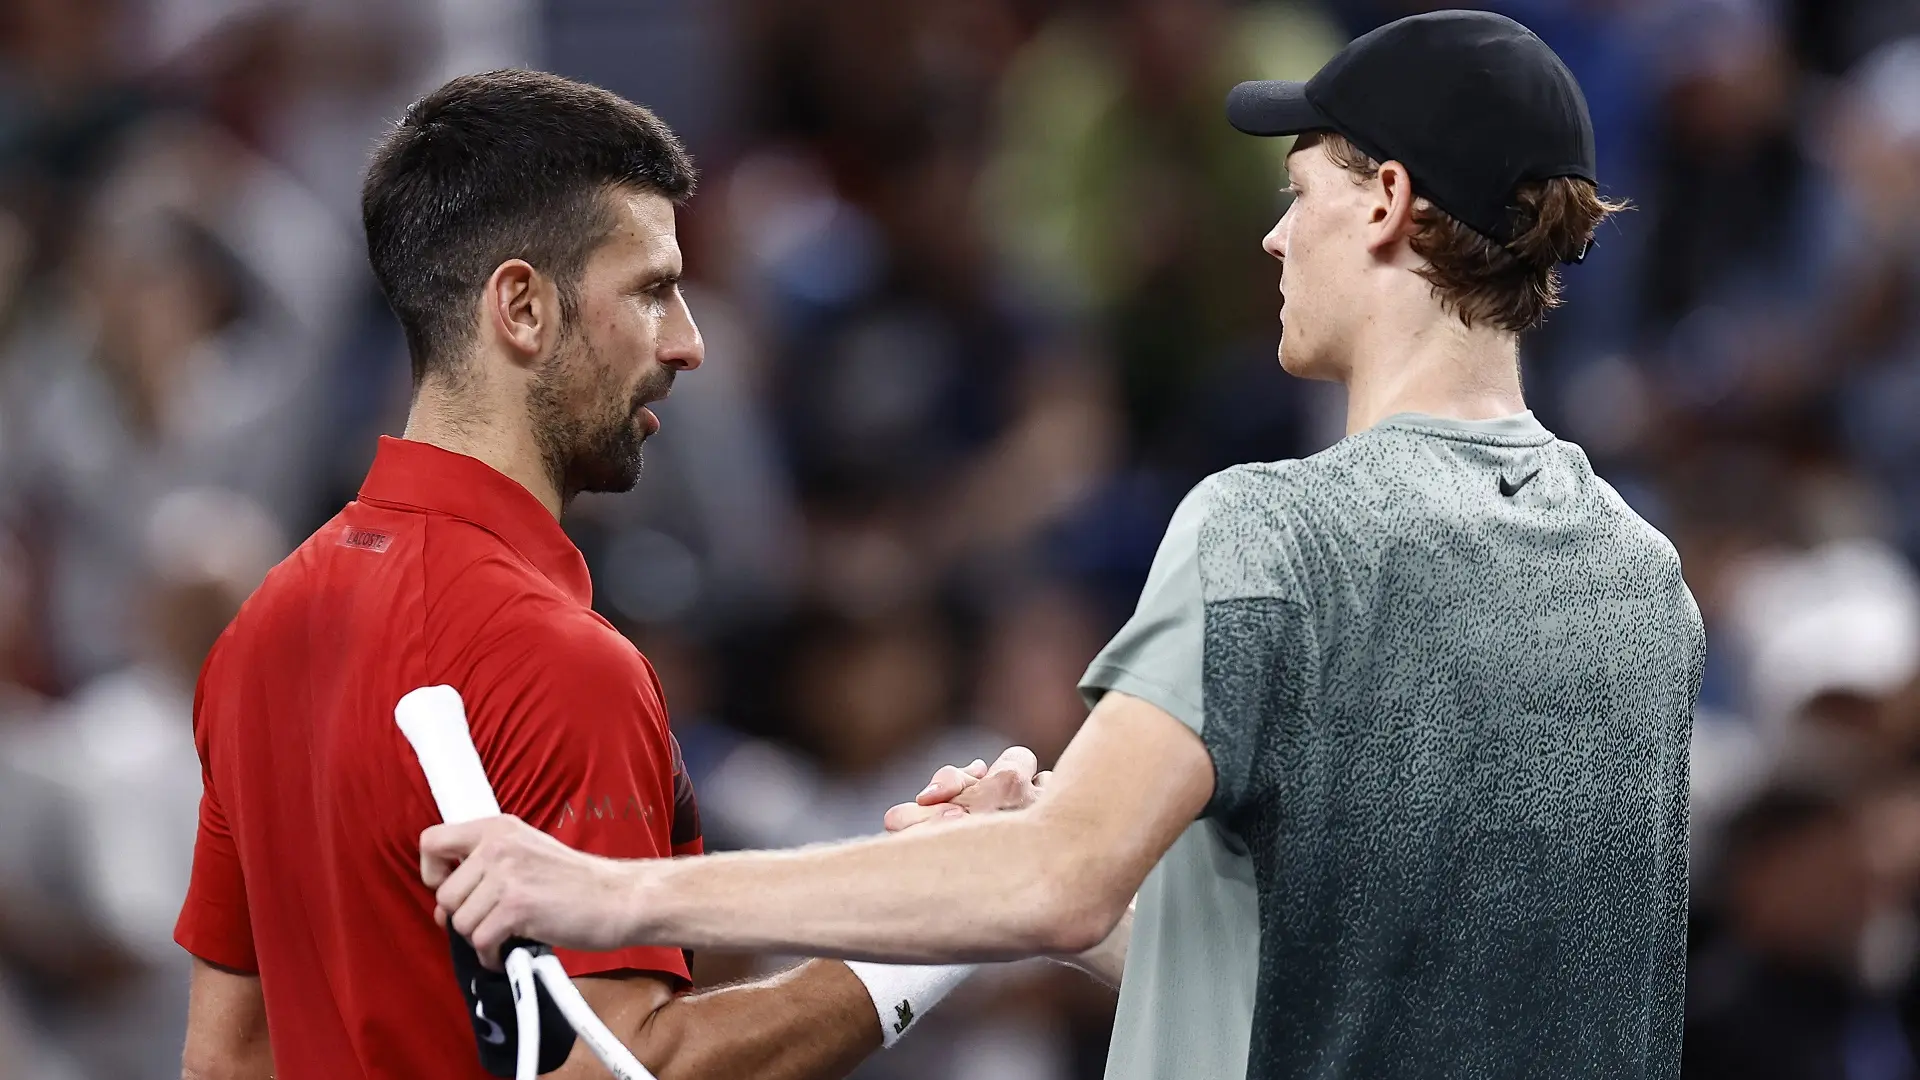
x,y
1301,363
611,469
613,482
1292,360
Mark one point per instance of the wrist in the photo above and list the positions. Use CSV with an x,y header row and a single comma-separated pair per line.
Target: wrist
x,y
901,994
644,902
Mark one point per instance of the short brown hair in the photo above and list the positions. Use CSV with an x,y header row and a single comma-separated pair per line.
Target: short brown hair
x,y
1511,285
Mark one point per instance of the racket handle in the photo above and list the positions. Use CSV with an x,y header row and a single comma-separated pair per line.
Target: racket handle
x,y
434,720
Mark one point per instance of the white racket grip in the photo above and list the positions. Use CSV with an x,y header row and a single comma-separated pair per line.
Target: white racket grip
x,y
434,720
612,1053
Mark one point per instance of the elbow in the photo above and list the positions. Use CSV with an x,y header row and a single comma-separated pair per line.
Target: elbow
x,y
204,1068
238,1062
1075,913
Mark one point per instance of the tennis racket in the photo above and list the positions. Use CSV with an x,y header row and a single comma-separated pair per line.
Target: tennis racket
x,y
434,720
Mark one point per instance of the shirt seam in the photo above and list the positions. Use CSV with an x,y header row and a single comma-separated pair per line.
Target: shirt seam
x,y
1481,438
1096,672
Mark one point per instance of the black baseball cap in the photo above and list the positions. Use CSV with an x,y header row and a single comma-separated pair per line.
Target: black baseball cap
x,y
1472,103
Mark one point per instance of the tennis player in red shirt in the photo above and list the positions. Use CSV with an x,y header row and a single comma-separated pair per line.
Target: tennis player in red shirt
x,y
522,227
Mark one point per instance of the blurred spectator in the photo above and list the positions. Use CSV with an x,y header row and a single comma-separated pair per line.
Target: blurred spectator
x,y
1783,996
1830,637
110,784
1117,192
1873,336
67,92
1830,36
162,353
1037,646
872,703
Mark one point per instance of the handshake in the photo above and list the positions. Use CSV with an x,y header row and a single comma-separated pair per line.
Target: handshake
x,y
1012,782
496,878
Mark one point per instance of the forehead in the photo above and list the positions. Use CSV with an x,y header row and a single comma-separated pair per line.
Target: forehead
x,y
642,236
1309,158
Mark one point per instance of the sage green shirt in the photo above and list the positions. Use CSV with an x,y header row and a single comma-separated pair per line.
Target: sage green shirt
x,y
1446,680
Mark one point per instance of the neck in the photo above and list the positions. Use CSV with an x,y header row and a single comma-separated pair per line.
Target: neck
x,y
467,421
1440,368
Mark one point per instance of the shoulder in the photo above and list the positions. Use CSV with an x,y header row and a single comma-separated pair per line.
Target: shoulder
x,y
552,682
1244,523
1256,486
480,592
543,637
1625,537
1299,489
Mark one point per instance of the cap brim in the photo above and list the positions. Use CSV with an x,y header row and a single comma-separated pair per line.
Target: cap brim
x,y
1274,107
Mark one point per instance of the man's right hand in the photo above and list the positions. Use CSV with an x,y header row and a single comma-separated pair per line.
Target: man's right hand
x,y
1012,782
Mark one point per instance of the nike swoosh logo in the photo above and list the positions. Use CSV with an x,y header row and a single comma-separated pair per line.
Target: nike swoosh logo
x,y
495,1035
1510,490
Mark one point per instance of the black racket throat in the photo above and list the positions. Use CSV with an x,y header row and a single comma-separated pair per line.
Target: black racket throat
x,y
489,995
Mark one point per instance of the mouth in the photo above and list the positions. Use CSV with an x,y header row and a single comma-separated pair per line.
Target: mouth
x,y
649,423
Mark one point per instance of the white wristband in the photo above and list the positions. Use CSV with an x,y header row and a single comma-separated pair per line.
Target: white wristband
x,y
903,993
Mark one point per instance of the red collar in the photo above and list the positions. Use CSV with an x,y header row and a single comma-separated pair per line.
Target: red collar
x,y
425,477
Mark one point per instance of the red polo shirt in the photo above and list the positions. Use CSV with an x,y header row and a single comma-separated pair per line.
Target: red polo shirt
x,y
307,868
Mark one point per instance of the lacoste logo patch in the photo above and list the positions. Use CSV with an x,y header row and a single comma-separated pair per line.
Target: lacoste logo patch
x,y
365,539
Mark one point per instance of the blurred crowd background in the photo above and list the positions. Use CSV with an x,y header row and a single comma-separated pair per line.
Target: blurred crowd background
x,y
983,295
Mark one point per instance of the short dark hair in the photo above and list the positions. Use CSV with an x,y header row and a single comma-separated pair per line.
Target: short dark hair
x,y
502,165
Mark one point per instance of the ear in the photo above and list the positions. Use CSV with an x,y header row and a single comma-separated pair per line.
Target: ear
x,y
519,306
1390,215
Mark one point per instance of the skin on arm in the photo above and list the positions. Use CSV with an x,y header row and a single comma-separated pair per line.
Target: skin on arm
x,y
226,1026
1055,879
1107,961
811,1022
1009,784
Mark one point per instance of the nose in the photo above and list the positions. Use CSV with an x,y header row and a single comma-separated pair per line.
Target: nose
x,y
681,346
1275,243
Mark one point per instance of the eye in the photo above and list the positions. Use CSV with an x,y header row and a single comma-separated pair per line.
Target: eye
x,y
654,297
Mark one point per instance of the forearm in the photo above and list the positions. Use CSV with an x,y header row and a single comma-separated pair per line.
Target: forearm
x,y
993,889
812,1022
226,1027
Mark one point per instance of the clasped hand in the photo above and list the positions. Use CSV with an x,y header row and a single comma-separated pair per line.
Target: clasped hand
x,y
499,878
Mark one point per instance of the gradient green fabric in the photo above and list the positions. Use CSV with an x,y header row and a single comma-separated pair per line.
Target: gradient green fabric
x,y
1446,678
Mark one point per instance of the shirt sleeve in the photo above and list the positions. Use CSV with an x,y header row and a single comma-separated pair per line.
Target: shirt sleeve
x,y
576,742
214,923
1233,686
1157,655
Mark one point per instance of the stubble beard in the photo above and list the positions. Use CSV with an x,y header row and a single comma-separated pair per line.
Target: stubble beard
x,y
597,447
